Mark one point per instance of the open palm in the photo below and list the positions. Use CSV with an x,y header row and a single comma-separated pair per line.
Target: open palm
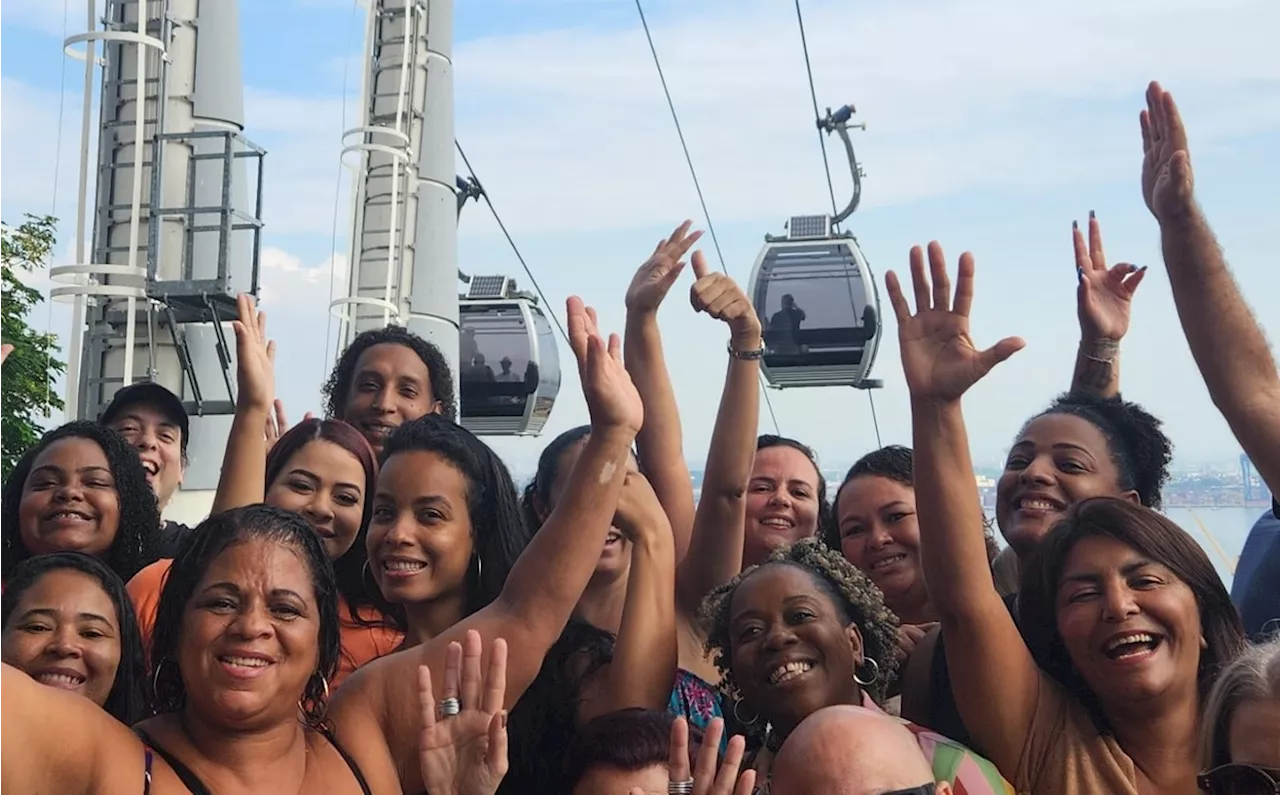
x,y
1105,295
255,357
939,359
1167,181
612,399
466,754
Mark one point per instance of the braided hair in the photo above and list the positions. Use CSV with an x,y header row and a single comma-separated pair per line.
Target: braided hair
x,y
856,598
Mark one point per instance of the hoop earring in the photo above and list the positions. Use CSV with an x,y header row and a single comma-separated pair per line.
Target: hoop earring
x,y
737,705
875,672
316,714
167,704
367,579
479,568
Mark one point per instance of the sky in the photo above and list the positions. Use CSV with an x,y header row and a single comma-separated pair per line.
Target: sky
x,y
991,126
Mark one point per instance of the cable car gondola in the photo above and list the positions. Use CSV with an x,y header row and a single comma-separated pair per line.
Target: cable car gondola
x,y
816,296
508,364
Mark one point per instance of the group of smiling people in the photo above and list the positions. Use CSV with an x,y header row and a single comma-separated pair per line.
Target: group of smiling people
x,y
373,607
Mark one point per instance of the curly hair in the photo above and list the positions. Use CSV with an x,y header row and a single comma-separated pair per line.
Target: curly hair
x,y
206,543
499,533
1156,538
348,569
129,700
1138,446
338,388
137,534
855,597
825,516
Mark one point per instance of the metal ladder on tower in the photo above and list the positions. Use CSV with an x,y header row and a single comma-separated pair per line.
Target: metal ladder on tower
x,y
382,146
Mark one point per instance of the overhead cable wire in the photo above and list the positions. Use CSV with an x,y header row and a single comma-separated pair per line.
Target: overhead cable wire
x,y
826,168
711,229
537,288
817,115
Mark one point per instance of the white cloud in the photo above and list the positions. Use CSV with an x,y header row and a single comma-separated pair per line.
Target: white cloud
x,y
295,297
956,95
570,131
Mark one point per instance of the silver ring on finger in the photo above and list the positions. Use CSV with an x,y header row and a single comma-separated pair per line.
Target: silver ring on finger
x,y
680,787
449,707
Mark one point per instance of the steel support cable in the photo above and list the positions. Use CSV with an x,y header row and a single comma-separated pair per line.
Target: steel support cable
x,y
532,279
715,241
831,190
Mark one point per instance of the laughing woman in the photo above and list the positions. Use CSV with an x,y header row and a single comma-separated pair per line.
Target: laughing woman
x,y
1127,623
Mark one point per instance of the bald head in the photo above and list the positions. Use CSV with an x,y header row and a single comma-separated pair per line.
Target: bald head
x,y
850,751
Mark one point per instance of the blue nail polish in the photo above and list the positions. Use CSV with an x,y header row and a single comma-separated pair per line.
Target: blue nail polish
x,y
1075,225
1079,274
1091,215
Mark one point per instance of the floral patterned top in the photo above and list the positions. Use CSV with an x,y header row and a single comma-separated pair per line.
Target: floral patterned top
x,y
699,703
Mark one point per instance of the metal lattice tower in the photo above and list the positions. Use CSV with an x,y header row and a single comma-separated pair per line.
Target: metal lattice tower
x,y
169,217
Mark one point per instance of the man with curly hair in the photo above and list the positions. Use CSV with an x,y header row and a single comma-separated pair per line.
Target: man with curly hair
x,y
387,377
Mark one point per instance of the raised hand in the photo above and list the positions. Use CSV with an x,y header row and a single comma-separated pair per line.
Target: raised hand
x,y
1105,295
655,277
1167,181
722,298
939,359
278,423
5,350
255,358
706,778
612,399
465,754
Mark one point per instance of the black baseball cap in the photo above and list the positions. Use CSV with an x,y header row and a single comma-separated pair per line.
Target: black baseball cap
x,y
152,394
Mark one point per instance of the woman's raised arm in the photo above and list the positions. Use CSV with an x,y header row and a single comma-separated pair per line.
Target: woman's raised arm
x,y
643,667
715,551
660,442
375,712
244,463
992,673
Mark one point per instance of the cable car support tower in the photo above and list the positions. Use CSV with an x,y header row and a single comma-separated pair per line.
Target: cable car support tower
x,y
406,200
168,224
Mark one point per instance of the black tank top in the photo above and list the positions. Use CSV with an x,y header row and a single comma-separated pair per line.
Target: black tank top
x,y
197,787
